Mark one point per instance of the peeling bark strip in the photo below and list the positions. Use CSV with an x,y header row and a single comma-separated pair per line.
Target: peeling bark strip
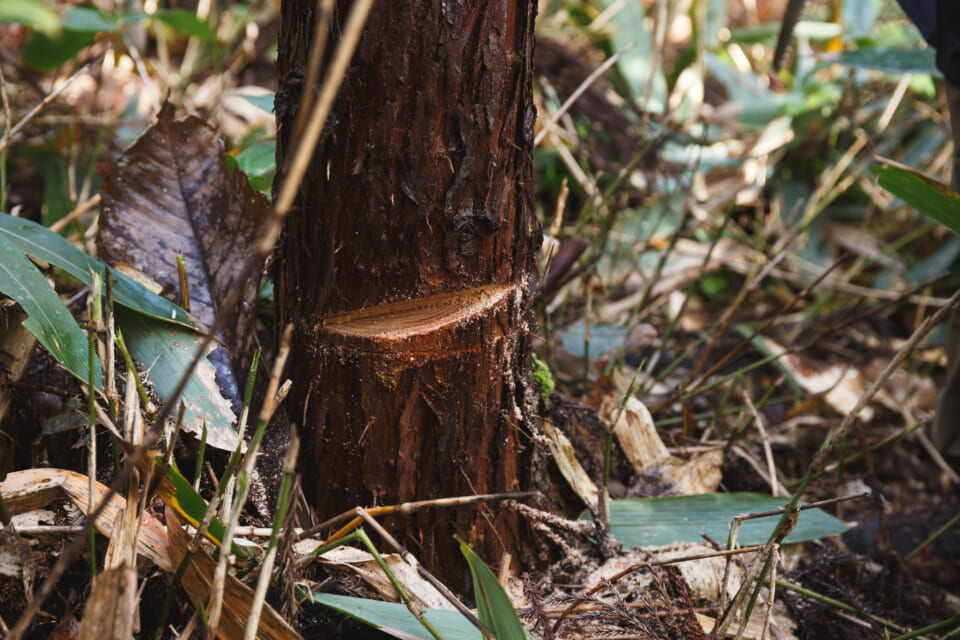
x,y
406,267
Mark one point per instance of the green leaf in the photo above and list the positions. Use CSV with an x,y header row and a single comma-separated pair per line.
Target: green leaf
x,y
259,159
928,196
87,20
164,351
185,21
653,522
890,59
46,51
36,240
49,319
494,606
395,619
33,13
264,102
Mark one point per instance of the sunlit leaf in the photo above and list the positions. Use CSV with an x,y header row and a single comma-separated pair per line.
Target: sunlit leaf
x,y
179,495
33,13
652,522
49,319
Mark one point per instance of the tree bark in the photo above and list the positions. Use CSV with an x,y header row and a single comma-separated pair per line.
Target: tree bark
x,y
407,265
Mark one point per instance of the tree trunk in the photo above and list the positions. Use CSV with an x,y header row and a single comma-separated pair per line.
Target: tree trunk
x,y
407,265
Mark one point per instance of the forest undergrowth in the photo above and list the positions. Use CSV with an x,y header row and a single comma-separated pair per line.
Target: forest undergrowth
x,y
732,316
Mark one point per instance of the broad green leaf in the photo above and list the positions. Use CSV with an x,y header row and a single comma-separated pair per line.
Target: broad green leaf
x,y
185,21
87,20
49,319
653,522
36,240
33,13
928,196
890,60
164,351
259,159
759,105
46,51
49,49
259,162
394,618
494,606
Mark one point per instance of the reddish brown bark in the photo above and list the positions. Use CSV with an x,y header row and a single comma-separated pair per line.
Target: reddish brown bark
x,y
407,265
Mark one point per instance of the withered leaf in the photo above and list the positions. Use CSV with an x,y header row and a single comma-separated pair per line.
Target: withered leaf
x,y
171,194
238,598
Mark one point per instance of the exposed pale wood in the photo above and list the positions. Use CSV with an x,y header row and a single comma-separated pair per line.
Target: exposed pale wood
x,y
419,316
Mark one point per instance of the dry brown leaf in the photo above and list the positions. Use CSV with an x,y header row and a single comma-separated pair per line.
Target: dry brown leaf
x,y
644,449
635,432
172,194
570,468
696,476
841,385
16,345
237,597
35,488
111,608
67,629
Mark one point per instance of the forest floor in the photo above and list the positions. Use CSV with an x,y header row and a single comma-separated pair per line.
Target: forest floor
x,y
724,288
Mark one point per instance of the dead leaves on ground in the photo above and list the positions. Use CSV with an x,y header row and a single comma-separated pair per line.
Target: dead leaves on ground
x,y
197,580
